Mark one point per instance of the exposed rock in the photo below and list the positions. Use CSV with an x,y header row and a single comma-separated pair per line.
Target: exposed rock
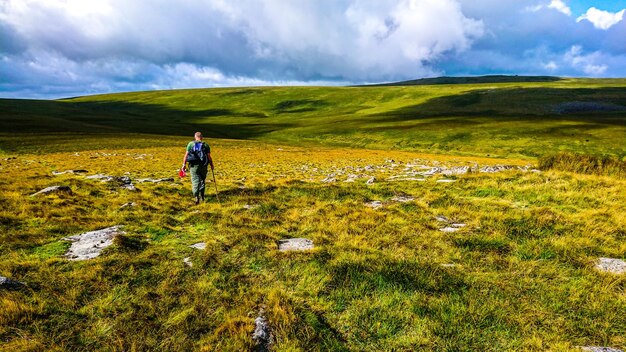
x,y
496,168
452,228
442,218
445,181
53,189
375,204
295,244
128,205
611,265
9,284
188,262
248,206
371,180
199,245
458,170
88,245
329,179
156,180
262,335
599,349
73,172
122,181
403,199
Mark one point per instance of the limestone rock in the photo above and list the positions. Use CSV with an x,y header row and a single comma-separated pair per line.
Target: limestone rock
x,y
371,180
611,265
199,245
53,189
156,180
599,349
403,199
443,180
262,335
88,245
188,262
295,244
73,172
9,284
375,204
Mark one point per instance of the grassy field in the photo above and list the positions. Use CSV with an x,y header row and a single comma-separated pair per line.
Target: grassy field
x,y
519,276
513,119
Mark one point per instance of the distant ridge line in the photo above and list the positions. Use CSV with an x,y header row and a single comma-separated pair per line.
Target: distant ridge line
x,y
468,80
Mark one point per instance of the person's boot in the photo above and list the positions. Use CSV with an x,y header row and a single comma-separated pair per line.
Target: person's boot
x,y
197,200
202,197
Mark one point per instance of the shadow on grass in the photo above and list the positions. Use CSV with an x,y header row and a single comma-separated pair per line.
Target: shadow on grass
x,y
593,106
41,116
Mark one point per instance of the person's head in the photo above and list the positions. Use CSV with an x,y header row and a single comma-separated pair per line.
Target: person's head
x,y
198,136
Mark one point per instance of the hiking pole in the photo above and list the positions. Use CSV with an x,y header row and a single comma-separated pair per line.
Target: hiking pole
x,y
215,183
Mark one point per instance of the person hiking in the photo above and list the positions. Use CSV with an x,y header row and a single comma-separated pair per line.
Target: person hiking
x,y
198,157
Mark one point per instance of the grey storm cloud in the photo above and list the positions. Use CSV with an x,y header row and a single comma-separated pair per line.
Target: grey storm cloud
x,y
54,48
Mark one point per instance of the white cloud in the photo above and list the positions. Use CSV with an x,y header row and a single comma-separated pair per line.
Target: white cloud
x,y
551,66
602,19
587,63
560,6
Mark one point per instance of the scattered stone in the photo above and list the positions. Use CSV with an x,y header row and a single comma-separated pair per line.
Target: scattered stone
x,y
442,218
375,204
458,170
128,205
9,284
371,180
351,178
262,335
452,228
599,349
611,265
496,168
329,179
403,199
248,206
53,189
73,172
445,181
432,171
295,244
199,245
156,180
88,245
188,262
98,177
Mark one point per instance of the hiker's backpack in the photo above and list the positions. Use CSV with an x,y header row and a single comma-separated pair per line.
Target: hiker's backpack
x,y
198,154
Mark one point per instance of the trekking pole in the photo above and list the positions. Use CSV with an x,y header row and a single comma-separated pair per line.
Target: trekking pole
x,y
215,183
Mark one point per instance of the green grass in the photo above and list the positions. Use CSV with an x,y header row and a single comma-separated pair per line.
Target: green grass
x,y
379,279
520,119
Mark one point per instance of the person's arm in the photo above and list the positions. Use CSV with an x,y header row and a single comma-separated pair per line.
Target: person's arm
x,y
185,160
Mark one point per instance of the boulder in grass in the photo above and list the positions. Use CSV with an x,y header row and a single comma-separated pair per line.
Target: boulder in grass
x,y
199,245
295,244
611,265
72,172
262,335
53,189
10,284
599,349
88,245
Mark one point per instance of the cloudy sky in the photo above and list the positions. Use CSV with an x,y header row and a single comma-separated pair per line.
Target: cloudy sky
x,y
61,48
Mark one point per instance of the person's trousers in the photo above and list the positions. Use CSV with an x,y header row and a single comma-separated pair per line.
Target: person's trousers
x,y
198,178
